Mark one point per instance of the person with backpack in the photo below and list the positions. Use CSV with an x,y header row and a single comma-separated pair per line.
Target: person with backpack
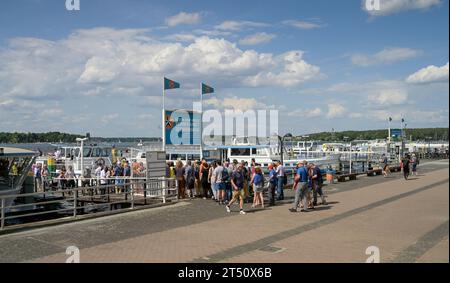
x,y
227,177
317,180
237,183
405,166
190,179
220,174
301,193
258,187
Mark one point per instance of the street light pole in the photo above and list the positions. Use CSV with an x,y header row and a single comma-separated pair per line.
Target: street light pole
x,y
350,157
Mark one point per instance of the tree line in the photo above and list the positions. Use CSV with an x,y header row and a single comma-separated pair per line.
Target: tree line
x,y
54,137
418,134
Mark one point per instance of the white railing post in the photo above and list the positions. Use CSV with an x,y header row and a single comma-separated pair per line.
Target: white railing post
x,y
163,188
2,221
132,196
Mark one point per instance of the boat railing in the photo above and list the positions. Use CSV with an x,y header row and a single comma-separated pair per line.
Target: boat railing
x,y
314,154
58,204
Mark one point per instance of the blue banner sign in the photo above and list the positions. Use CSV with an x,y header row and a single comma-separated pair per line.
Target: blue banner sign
x,y
395,133
182,127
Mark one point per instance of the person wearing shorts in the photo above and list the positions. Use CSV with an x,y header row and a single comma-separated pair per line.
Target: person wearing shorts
x,y
237,184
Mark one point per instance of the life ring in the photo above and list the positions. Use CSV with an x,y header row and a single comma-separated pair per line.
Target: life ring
x,y
324,147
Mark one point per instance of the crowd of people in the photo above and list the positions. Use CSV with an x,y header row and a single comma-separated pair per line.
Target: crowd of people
x,y
408,165
231,182
228,182
117,174
224,182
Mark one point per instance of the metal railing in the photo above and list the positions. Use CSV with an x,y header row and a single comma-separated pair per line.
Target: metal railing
x,y
62,203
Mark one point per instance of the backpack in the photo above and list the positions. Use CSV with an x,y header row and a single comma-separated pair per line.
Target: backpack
x,y
225,175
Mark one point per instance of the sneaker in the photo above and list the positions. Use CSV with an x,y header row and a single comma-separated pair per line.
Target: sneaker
x,y
292,209
204,198
228,209
242,212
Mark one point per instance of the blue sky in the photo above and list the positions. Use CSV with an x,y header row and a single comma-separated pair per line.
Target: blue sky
x,y
323,64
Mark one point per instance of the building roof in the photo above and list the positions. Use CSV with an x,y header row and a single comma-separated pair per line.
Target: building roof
x,y
15,152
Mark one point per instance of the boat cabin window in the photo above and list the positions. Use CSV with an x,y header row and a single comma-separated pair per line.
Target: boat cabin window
x,y
178,156
240,151
193,157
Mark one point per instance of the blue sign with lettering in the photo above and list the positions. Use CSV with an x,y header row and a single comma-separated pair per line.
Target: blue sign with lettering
x,y
182,127
395,133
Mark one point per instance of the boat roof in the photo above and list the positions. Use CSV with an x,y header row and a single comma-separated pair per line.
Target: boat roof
x,y
237,146
15,152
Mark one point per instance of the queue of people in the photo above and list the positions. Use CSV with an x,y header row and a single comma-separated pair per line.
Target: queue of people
x,y
229,182
117,174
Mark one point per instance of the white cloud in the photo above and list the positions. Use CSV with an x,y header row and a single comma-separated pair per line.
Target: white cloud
x,y
302,24
335,110
236,103
389,97
183,37
239,25
295,71
183,18
385,56
106,61
388,7
312,113
429,74
257,38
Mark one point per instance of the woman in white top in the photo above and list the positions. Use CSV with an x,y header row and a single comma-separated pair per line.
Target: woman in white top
x,y
70,177
212,180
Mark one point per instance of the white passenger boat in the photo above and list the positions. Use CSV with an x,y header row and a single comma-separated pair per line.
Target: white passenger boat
x,y
79,157
15,163
241,150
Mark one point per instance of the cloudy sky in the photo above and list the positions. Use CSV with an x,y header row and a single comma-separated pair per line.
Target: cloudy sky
x,y
323,64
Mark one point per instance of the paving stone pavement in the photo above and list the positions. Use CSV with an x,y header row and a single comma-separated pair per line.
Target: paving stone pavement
x,y
407,220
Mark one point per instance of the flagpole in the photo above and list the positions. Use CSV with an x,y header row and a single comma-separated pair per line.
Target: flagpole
x,y
164,116
201,121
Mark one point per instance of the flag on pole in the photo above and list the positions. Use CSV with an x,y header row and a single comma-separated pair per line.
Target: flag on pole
x,y
207,89
169,84
390,119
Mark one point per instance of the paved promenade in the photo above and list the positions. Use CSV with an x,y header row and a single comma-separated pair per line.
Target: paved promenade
x,y
406,220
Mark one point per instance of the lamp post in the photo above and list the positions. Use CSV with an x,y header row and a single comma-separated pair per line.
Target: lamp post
x,y
82,140
281,139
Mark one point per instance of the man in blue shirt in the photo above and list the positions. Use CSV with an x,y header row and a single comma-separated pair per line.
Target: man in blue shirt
x,y
302,190
237,184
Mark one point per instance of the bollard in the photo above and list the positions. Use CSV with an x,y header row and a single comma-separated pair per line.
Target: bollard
x,y
2,224
75,204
